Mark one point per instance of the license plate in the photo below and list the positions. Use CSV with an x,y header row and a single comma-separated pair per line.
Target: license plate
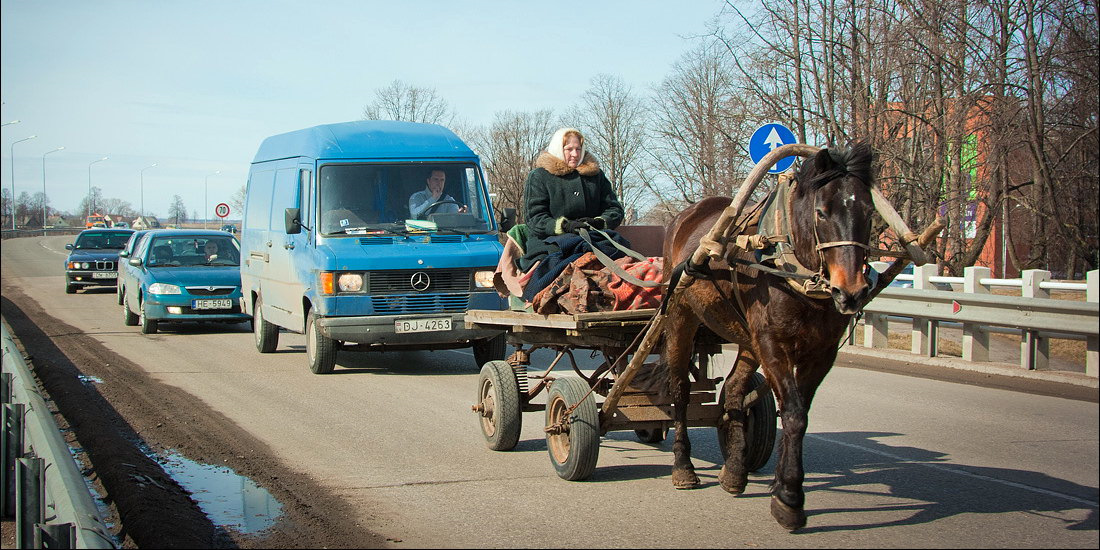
x,y
224,303
104,274
422,325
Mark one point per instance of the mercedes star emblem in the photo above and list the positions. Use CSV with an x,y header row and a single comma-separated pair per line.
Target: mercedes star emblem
x,y
420,281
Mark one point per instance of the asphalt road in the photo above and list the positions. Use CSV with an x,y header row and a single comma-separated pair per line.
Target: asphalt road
x,y
891,460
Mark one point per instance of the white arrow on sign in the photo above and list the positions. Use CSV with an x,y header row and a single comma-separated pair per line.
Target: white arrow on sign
x,y
773,140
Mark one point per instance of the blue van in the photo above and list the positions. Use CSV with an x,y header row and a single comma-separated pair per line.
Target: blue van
x,y
343,240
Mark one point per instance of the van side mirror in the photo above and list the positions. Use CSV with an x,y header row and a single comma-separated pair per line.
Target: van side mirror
x,y
69,246
292,221
507,219
135,261
124,254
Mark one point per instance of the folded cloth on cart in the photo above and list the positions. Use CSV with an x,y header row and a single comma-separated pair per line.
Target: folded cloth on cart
x,y
586,285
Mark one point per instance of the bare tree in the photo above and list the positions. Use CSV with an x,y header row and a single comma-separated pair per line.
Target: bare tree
x,y
698,130
399,101
508,149
237,200
612,119
177,210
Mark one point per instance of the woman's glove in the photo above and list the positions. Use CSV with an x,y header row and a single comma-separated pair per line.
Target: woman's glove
x,y
571,226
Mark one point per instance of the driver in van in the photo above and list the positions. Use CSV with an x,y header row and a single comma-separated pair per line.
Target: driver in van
x,y
420,202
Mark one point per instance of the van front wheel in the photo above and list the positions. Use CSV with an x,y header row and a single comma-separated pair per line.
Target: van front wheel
x,y
491,349
320,349
267,334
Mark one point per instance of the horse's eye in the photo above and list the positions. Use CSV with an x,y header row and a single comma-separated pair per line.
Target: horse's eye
x,y
820,213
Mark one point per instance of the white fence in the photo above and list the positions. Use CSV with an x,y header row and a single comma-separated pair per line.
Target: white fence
x,y
1033,314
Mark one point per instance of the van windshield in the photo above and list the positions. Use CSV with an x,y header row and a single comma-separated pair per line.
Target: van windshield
x,y
377,198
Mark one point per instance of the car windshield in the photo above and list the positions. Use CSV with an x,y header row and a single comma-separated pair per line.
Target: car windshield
x,y
381,198
194,250
114,240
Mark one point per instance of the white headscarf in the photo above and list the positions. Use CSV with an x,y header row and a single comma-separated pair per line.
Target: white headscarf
x,y
557,143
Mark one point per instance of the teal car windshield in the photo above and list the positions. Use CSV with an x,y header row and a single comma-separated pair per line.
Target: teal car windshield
x,y
374,198
204,250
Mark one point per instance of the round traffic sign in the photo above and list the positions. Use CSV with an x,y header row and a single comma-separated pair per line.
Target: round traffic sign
x,y
768,137
222,210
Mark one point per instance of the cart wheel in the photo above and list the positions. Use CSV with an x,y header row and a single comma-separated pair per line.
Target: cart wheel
x,y
498,406
760,430
573,442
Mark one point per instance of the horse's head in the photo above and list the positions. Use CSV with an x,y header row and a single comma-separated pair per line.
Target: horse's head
x,y
831,220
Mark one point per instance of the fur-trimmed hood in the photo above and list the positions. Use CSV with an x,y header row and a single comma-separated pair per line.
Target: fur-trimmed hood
x,y
589,166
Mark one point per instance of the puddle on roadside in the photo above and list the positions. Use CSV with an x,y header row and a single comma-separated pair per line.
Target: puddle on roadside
x,y
227,498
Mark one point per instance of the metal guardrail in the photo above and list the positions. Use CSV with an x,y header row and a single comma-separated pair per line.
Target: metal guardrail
x,y
1035,316
40,483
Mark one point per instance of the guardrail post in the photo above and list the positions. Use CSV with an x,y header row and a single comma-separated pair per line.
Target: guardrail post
x,y
876,327
30,506
1034,347
925,330
11,449
5,387
55,535
975,339
1092,343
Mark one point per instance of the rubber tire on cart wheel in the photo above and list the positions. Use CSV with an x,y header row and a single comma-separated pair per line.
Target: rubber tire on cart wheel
x,y
500,416
760,429
148,326
129,318
574,451
320,349
265,333
491,349
651,435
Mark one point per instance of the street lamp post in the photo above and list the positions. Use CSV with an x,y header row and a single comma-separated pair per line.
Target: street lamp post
x,y
44,184
91,205
206,199
143,188
10,122
13,178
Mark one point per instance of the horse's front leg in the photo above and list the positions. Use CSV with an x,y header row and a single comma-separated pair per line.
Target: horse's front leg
x,y
734,476
788,496
679,343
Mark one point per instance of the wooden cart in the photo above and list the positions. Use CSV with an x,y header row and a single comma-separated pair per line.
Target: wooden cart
x,y
574,420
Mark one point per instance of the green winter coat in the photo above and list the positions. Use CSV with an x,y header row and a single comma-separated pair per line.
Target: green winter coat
x,y
555,193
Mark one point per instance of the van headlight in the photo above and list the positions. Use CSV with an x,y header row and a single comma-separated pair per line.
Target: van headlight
x,y
350,282
483,279
162,288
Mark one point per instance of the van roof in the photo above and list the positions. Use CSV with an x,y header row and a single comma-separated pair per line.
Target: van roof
x,y
365,139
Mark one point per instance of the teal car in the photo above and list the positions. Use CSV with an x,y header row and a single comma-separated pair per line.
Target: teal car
x,y
183,276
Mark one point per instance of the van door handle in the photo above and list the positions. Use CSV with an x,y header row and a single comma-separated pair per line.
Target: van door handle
x,y
289,246
269,244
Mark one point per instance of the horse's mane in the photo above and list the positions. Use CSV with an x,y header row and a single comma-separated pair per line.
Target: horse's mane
x,y
854,162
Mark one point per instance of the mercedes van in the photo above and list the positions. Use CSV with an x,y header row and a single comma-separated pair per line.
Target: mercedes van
x,y
331,248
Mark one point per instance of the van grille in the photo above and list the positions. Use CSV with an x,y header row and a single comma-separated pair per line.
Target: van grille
x,y
375,240
399,281
421,303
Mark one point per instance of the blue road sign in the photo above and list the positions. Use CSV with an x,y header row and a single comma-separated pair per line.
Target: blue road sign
x,y
768,137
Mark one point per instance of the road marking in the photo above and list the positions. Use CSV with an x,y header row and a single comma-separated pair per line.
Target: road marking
x,y
1047,492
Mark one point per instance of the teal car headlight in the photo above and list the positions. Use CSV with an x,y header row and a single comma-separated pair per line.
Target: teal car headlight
x,y
164,288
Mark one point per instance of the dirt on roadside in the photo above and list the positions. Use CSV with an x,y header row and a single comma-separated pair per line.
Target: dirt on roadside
x,y
109,421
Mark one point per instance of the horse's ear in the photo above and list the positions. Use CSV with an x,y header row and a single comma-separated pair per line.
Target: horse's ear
x,y
823,161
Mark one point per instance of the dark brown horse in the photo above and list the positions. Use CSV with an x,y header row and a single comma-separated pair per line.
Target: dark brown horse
x,y
791,334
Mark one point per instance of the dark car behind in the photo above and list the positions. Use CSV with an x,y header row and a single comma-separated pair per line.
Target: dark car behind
x,y
93,258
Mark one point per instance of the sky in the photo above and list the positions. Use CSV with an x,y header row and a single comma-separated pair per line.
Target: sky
x,y
195,86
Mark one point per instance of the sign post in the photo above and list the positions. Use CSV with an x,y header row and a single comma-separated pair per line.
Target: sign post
x,y
768,137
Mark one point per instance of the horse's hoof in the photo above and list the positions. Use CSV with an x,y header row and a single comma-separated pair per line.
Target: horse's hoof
x,y
685,479
789,518
732,483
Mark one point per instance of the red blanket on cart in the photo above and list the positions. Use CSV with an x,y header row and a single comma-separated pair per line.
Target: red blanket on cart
x,y
586,285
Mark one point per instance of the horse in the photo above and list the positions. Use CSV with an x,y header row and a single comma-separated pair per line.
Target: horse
x,y
792,333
